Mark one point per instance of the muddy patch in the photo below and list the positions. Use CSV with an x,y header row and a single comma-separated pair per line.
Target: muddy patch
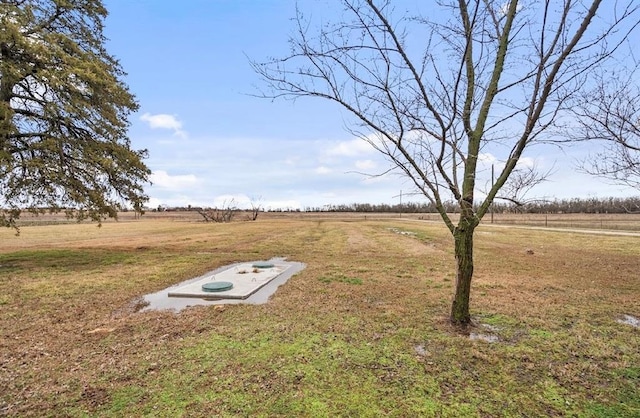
x,y
489,338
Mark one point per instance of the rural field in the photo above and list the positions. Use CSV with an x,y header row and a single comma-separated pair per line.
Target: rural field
x,y
363,331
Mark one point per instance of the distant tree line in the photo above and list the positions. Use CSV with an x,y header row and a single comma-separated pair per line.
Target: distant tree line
x,y
572,205
408,207
588,205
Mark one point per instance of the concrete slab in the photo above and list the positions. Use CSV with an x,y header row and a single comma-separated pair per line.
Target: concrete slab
x,y
162,301
245,278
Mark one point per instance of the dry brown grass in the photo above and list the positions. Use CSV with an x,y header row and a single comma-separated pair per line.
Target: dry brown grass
x,y
362,331
602,221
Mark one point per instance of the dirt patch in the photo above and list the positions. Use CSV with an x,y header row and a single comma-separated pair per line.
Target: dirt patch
x,y
131,307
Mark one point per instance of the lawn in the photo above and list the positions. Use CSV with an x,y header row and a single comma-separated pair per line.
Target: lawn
x,y
361,332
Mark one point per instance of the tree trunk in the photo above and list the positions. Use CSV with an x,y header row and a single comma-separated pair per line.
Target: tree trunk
x,y
463,238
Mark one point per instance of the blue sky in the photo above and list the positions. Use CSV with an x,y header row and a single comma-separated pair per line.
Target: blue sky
x,y
211,141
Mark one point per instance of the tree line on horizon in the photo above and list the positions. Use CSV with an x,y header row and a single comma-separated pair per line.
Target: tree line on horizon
x,y
570,205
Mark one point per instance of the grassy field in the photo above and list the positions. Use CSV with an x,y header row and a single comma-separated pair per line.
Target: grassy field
x,y
361,332
602,221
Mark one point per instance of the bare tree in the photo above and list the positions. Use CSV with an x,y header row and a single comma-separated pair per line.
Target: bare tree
x,y
255,208
222,214
610,113
433,92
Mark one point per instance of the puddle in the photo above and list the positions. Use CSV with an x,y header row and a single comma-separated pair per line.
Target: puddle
x,y
189,292
630,320
491,328
490,338
401,232
420,350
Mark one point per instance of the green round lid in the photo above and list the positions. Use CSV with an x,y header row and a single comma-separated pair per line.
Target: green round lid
x,y
217,286
262,265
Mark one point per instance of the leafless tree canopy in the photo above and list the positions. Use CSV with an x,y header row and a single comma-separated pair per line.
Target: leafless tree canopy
x,y
520,182
433,92
610,113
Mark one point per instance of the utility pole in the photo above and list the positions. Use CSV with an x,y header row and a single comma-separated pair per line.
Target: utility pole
x,y
492,188
400,195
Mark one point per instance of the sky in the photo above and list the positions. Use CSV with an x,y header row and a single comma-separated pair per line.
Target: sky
x,y
211,140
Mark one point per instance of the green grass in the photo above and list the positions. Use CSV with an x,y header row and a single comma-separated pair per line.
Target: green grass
x,y
339,278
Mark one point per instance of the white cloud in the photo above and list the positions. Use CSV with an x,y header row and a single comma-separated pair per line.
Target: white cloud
x,y
240,201
486,158
526,162
154,202
504,9
366,164
323,170
291,160
351,148
164,180
164,121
